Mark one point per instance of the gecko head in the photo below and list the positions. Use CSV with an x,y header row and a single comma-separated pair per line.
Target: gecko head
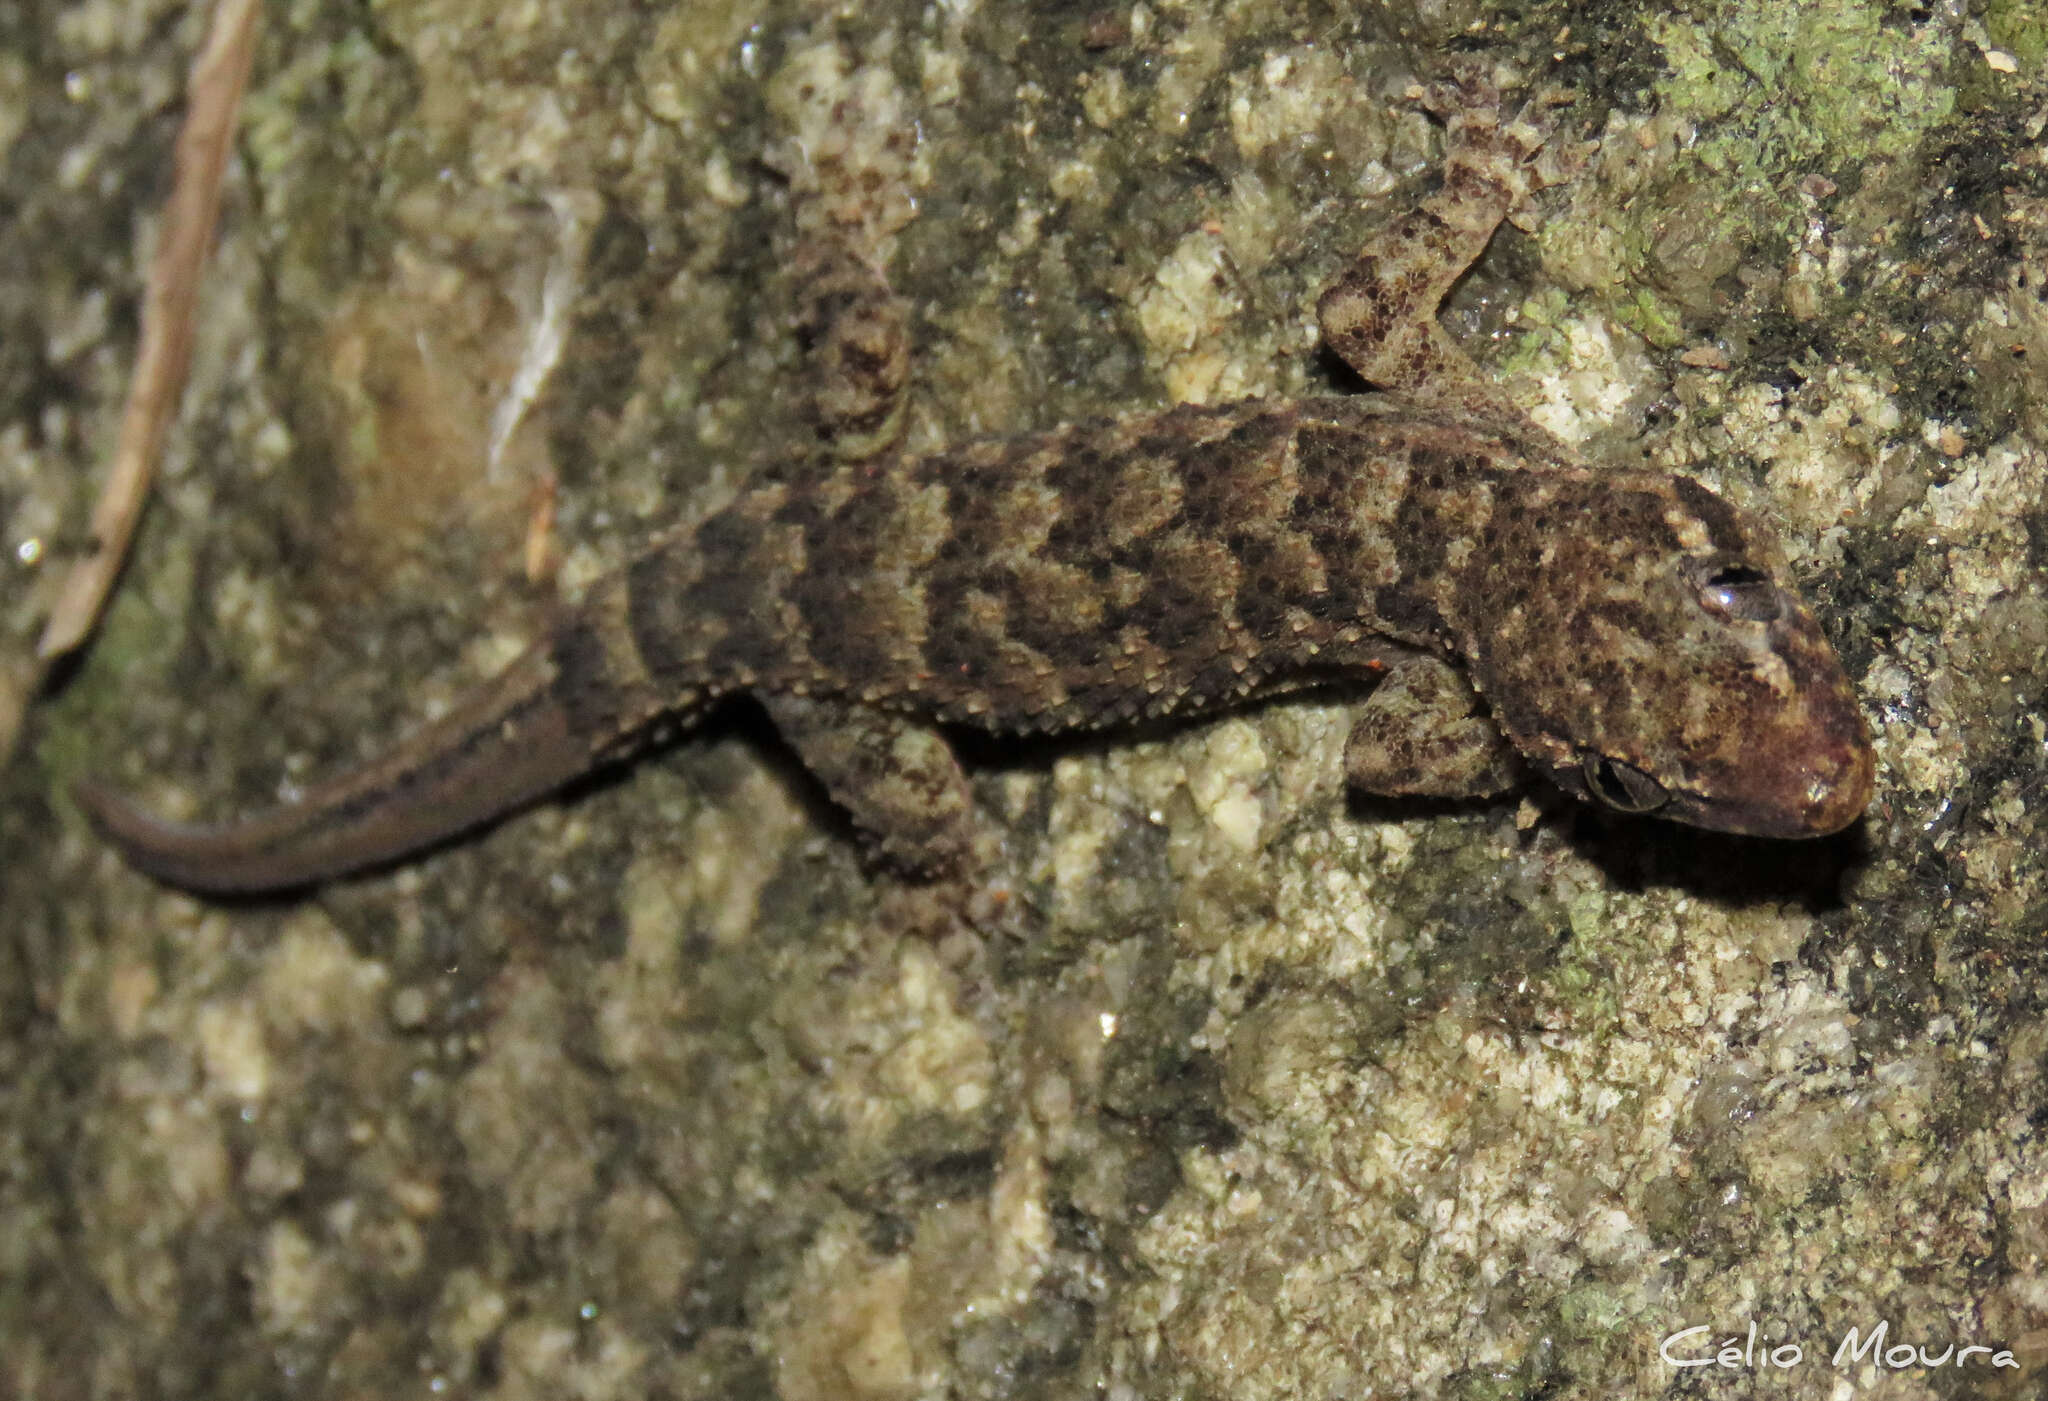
x,y
1665,665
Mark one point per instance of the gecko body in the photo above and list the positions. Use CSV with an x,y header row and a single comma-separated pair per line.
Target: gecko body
x,y
1633,637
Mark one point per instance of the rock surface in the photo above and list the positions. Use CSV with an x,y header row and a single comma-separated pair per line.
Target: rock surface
x,y
659,1092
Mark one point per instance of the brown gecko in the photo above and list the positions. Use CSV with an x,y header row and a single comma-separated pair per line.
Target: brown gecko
x,y
1632,637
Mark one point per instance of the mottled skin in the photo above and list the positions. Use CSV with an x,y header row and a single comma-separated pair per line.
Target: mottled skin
x,y
1633,637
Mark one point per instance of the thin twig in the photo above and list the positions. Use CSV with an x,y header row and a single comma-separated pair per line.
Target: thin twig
x,y
218,76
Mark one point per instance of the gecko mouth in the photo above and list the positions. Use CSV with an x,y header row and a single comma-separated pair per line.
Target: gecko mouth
x,y
1813,799
1811,795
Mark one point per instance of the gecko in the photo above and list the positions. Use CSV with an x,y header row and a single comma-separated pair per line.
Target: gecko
x,y
1632,637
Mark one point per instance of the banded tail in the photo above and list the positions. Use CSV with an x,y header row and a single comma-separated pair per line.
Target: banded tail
x,y
540,723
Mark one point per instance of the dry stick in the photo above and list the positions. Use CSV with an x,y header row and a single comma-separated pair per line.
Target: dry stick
x,y
218,76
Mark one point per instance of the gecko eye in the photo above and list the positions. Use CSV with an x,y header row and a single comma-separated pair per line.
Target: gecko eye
x,y
1623,787
1736,590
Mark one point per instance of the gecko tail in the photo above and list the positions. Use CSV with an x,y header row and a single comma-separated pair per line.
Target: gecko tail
x,y
514,740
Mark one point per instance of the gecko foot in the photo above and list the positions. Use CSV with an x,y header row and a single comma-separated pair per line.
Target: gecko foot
x,y
855,333
1516,156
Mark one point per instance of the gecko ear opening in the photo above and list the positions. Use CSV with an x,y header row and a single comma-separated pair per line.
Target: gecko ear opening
x,y
1623,787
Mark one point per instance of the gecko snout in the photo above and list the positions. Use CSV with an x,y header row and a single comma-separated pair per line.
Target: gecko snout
x,y
1812,784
